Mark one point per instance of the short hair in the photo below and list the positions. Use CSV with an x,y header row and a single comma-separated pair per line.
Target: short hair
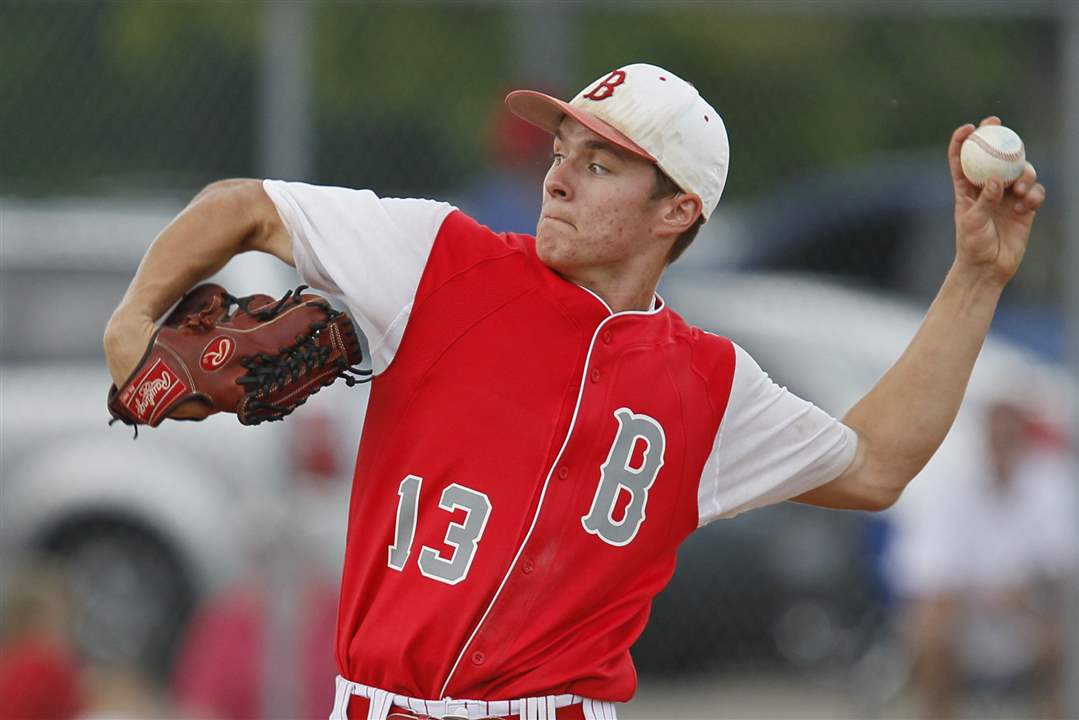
x,y
664,187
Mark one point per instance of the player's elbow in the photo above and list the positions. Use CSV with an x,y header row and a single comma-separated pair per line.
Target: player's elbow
x,y
859,488
881,482
878,474
219,190
244,201
871,483
880,499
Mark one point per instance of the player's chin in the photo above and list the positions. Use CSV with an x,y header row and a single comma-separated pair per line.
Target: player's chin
x,y
551,246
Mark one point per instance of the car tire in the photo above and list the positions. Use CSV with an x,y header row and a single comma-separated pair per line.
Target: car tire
x,y
131,593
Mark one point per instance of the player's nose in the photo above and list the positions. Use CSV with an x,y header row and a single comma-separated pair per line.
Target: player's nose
x,y
557,184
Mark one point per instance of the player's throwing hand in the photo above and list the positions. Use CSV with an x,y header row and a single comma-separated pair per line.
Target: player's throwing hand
x,y
992,224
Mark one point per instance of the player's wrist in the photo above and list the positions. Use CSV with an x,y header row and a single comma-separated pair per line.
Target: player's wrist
x,y
125,321
127,334
978,284
980,276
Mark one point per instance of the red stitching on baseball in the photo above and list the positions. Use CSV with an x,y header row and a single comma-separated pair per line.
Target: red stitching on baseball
x,y
1008,157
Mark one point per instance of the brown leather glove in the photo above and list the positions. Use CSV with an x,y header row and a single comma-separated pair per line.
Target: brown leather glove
x,y
254,356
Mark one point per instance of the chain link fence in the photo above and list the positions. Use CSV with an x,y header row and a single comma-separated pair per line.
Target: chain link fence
x,y
838,113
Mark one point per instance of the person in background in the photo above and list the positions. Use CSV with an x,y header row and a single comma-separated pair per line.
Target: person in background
x,y
261,647
983,569
39,670
504,196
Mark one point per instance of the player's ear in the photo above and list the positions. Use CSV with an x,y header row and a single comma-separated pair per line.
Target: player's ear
x,y
680,212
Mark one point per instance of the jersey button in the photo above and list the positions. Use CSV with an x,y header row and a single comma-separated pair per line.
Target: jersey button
x,y
478,658
527,567
594,375
607,337
563,472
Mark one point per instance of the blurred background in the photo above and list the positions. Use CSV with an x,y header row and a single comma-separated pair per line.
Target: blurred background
x,y
193,573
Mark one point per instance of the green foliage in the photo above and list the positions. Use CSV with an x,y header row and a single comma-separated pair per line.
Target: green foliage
x,y
127,95
116,96
404,91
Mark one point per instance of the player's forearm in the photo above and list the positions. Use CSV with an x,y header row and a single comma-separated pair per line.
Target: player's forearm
x,y
903,420
226,218
198,242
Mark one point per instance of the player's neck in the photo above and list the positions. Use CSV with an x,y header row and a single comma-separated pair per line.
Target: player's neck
x,y
621,292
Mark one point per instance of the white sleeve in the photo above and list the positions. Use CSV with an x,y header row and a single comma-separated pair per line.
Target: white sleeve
x,y
770,446
367,250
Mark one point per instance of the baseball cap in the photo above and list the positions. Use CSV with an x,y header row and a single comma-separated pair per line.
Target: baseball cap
x,y
651,113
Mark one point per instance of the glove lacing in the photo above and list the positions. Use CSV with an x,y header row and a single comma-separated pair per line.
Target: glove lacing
x,y
266,373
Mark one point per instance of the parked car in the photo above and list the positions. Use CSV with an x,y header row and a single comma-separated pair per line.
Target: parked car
x,y
147,526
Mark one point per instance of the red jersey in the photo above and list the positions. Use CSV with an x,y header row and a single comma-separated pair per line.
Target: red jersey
x,y
530,461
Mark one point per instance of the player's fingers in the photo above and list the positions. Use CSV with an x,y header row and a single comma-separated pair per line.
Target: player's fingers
x,y
989,197
991,120
961,133
1032,200
1025,181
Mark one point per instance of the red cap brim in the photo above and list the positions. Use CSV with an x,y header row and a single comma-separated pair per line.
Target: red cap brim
x,y
547,112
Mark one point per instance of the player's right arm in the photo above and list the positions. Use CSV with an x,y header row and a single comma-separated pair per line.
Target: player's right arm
x,y
226,218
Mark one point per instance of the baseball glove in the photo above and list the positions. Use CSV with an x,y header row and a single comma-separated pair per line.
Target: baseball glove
x,y
252,356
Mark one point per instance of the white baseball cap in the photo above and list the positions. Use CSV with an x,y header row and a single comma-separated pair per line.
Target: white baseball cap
x,y
651,113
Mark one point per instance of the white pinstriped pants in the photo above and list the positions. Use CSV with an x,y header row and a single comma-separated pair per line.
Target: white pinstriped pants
x,y
537,708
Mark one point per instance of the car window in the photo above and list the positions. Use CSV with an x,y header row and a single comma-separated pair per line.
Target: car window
x,y
56,315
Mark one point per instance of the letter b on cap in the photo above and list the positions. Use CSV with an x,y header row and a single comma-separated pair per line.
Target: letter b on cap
x,y
605,87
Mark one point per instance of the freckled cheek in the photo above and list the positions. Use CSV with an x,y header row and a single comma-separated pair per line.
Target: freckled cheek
x,y
611,226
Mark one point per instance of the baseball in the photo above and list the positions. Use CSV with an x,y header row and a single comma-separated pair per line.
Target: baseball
x,y
992,150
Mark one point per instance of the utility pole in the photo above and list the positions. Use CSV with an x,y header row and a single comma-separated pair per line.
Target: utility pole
x,y
1068,47
285,145
545,38
283,120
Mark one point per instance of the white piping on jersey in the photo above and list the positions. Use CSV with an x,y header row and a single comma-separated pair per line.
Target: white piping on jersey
x,y
655,306
547,480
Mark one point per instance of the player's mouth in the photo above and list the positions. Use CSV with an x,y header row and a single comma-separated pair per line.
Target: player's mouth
x,y
548,216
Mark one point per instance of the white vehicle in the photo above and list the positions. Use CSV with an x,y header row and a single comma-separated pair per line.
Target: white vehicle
x,y
148,525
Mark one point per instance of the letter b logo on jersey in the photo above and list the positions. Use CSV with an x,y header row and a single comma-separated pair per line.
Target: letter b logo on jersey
x,y
605,87
618,475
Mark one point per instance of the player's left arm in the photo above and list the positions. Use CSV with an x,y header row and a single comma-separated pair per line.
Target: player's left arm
x,y
903,420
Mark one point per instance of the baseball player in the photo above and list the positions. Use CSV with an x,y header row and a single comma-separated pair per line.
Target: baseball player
x,y
543,431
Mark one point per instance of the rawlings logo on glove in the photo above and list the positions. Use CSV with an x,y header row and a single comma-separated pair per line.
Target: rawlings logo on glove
x,y
216,353
252,356
154,388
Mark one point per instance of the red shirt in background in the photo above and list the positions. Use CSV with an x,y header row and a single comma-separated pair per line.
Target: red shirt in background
x,y
38,681
220,668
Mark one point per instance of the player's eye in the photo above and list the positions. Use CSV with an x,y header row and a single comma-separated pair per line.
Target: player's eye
x,y
597,169
557,158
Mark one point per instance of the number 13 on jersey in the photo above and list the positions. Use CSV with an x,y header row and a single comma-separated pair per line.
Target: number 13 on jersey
x,y
462,537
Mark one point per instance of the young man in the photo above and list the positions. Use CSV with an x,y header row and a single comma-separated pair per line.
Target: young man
x,y
543,431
